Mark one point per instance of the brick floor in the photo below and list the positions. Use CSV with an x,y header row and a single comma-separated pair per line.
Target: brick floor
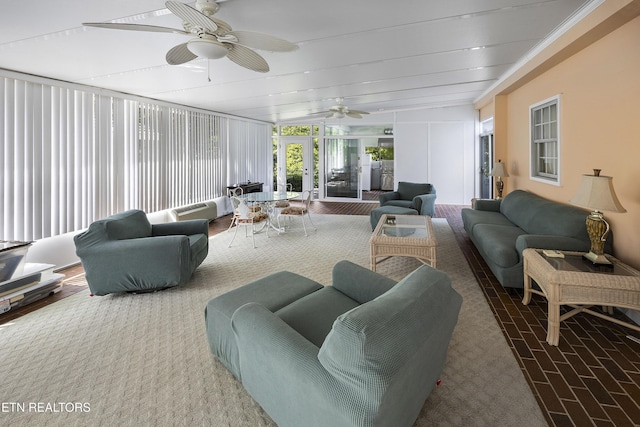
x,y
591,379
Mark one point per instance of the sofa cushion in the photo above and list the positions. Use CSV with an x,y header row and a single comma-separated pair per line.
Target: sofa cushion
x,y
498,242
560,220
274,291
409,190
407,204
537,215
128,225
473,217
313,315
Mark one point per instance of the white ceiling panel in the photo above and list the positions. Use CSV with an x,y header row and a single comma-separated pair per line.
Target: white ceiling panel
x,y
377,55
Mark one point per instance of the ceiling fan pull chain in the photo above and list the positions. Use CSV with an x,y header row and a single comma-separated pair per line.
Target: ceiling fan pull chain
x,y
209,70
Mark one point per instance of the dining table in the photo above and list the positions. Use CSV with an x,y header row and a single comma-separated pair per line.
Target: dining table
x,y
268,200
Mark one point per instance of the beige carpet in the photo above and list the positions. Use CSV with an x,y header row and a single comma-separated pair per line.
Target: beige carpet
x,y
143,360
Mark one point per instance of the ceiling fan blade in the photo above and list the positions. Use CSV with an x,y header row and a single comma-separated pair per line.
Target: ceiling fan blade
x,y
180,54
191,15
247,58
134,27
358,112
223,27
328,116
353,114
262,41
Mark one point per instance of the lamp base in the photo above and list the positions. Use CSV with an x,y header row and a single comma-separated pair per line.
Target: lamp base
x,y
597,229
597,259
499,188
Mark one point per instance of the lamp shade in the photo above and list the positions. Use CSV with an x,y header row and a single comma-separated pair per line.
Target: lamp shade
x,y
596,192
499,169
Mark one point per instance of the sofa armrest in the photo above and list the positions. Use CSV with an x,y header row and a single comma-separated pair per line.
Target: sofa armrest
x,y
187,228
359,283
425,204
539,241
386,197
488,205
262,333
281,371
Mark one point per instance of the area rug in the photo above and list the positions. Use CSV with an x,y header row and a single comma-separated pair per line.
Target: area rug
x,y
143,360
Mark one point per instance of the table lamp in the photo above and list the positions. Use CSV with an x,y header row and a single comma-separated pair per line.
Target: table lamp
x,y
596,192
499,171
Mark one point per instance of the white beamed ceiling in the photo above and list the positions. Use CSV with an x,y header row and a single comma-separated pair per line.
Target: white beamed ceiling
x,y
380,56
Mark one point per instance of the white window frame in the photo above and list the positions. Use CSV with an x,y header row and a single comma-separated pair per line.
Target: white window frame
x,y
544,137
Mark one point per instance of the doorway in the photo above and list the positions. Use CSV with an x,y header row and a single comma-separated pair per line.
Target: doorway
x,y
295,154
486,161
342,168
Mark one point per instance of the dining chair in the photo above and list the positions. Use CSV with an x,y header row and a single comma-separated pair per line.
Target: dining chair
x,y
283,186
234,192
237,192
298,210
244,216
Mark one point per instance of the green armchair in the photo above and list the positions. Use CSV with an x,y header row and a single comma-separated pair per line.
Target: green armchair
x,y
417,196
366,351
125,253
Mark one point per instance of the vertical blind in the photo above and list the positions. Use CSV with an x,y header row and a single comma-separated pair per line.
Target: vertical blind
x,y
70,156
250,152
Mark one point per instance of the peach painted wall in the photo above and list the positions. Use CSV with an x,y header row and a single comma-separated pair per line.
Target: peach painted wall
x,y
599,89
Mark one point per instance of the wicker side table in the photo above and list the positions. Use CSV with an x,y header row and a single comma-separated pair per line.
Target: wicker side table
x,y
403,235
577,283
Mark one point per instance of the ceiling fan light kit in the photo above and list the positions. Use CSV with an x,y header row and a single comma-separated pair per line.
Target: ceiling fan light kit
x,y
214,38
207,48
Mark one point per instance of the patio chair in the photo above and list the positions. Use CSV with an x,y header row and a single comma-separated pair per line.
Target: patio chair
x,y
283,186
244,216
418,196
301,210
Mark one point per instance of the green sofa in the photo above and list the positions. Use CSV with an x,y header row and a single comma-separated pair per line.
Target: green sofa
x,y
502,229
366,351
125,253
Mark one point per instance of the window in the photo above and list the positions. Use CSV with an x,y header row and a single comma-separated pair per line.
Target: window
x,y
545,141
69,156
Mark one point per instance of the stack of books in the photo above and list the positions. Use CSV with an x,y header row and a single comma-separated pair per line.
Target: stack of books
x,y
35,281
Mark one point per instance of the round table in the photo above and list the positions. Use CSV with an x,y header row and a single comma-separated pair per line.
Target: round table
x,y
269,198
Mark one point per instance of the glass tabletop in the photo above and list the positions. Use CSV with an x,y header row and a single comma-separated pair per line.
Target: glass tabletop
x,y
270,196
577,263
405,226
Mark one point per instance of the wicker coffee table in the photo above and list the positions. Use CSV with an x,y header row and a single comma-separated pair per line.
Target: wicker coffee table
x,y
579,284
403,235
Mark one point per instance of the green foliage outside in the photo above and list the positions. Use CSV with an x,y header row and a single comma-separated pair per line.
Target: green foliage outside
x,y
380,153
294,156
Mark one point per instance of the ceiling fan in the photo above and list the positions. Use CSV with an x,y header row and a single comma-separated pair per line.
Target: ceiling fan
x,y
213,39
340,110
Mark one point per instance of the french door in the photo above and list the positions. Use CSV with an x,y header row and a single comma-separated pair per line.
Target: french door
x,y
295,163
342,168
